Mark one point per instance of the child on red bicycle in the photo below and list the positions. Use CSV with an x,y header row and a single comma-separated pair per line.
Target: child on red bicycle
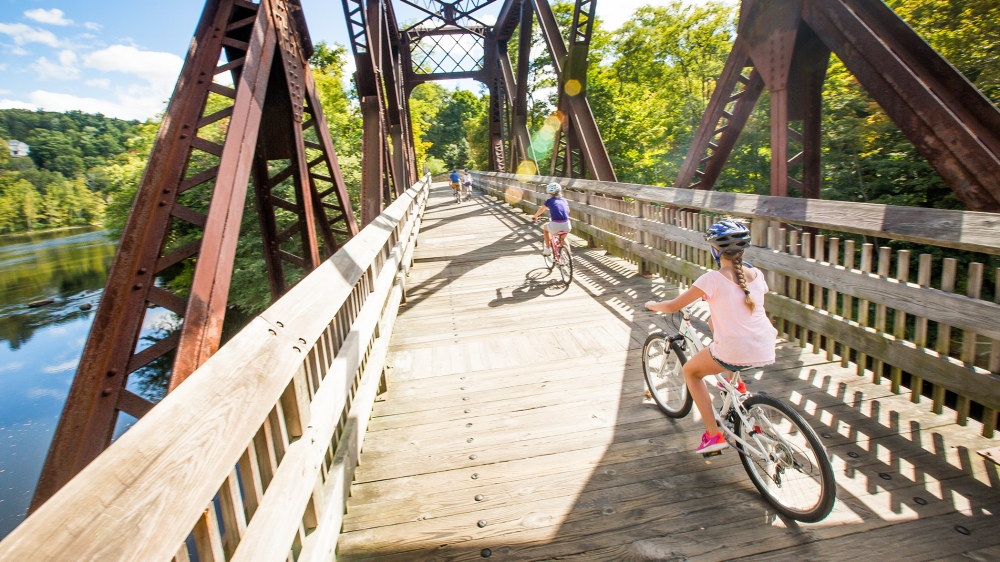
x,y
558,223
743,337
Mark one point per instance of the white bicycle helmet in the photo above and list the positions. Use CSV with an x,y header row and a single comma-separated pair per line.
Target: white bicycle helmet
x,y
553,188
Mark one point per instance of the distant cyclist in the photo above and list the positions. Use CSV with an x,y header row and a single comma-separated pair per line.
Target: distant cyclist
x,y
467,183
456,185
743,337
558,223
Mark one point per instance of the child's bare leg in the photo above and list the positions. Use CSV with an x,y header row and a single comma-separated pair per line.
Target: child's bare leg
x,y
545,234
697,368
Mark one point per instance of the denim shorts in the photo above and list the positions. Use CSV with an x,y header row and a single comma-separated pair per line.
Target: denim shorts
x,y
729,366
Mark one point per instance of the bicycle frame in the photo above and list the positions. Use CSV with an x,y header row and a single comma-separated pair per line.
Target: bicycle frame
x,y
555,242
729,385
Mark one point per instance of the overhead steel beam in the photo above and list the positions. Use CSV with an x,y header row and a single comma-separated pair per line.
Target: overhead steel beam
x,y
577,108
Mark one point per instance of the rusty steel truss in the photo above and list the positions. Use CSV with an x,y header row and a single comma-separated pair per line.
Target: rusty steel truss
x,y
452,40
785,46
246,107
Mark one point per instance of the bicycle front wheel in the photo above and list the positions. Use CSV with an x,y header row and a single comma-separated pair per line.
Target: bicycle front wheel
x,y
663,367
793,472
550,260
565,265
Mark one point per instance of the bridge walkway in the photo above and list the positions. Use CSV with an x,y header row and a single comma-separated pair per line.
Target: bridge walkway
x,y
515,421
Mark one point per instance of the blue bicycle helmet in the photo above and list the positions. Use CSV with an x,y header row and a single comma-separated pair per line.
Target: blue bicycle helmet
x,y
553,188
727,236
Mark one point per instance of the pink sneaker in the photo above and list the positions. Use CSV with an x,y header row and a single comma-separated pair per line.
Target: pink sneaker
x,y
712,443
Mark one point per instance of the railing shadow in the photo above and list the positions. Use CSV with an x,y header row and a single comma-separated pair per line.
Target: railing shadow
x,y
650,497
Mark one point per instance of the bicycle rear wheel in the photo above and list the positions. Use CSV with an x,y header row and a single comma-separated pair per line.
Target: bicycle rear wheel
x,y
663,367
795,474
565,264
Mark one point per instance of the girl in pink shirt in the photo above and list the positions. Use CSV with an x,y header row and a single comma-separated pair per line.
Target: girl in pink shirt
x,y
743,337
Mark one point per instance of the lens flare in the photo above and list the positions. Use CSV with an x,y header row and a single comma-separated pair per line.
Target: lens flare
x,y
526,169
572,87
513,195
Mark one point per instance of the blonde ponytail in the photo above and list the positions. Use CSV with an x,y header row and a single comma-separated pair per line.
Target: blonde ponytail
x,y
738,266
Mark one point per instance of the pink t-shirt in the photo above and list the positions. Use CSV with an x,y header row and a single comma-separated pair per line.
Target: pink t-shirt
x,y
740,338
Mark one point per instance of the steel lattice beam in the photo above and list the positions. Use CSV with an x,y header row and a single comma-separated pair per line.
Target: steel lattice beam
x,y
951,123
267,47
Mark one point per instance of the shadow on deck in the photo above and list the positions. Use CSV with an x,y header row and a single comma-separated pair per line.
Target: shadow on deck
x,y
515,426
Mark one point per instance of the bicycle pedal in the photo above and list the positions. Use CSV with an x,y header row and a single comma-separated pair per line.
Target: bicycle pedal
x,y
712,454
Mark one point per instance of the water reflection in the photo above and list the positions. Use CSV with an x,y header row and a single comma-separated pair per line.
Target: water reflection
x,y
40,347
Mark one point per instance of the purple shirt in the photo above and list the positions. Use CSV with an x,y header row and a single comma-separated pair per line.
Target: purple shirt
x,y
558,209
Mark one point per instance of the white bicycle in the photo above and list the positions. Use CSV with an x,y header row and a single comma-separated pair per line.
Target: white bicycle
x,y
779,450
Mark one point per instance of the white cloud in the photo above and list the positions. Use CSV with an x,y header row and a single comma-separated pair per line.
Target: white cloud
x,y
15,104
65,70
23,34
158,68
62,367
99,82
38,392
9,367
2,91
51,17
131,104
93,26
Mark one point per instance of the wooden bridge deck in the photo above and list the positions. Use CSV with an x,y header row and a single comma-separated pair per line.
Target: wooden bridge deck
x,y
515,421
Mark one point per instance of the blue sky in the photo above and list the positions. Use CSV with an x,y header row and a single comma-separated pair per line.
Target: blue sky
x,y
121,58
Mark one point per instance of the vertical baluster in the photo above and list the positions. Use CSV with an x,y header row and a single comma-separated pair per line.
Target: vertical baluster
x,y
253,488
845,352
817,301
233,516
989,414
866,267
899,320
794,284
949,268
772,243
833,258
782,288
881,310
806,293
973,290
920,332
207,538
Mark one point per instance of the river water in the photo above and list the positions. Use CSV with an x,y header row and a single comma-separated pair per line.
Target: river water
x,y
40,347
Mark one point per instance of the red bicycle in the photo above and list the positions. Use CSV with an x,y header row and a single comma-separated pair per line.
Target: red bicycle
x,y
560,257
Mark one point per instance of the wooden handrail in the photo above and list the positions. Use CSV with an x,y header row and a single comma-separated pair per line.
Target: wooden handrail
x,y
813,300
249,458
963,230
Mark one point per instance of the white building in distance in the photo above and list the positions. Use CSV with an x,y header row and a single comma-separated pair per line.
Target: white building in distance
x,y
17,148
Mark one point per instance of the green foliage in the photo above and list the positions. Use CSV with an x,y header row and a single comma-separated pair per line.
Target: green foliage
x,y
456,128
64,181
